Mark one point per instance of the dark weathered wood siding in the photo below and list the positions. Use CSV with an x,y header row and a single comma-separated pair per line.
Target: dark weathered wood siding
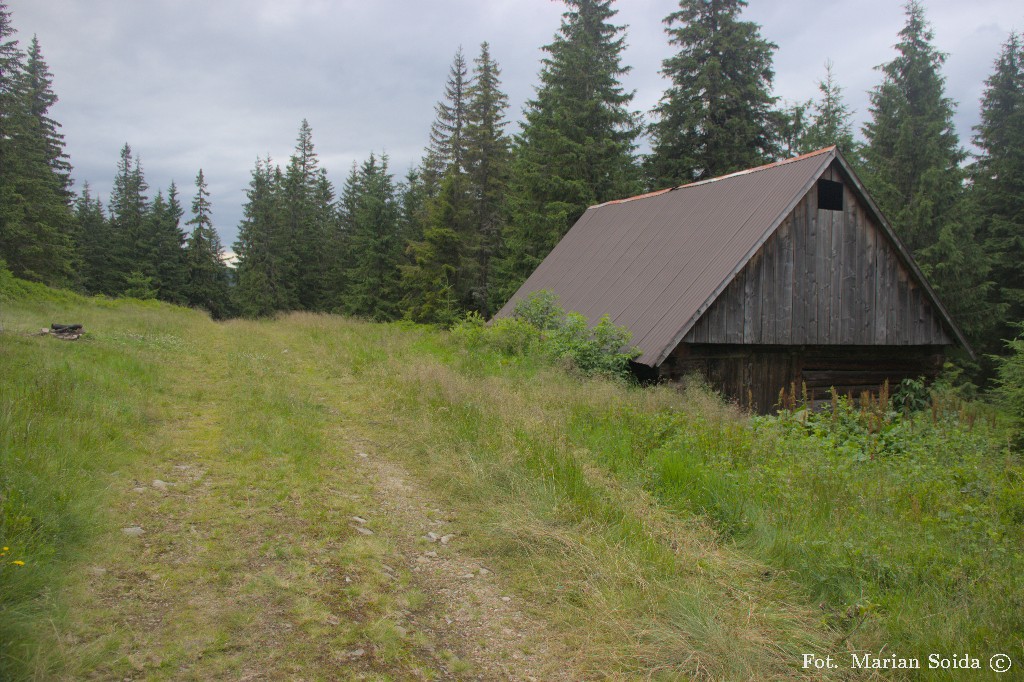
x,y
754,375
824,278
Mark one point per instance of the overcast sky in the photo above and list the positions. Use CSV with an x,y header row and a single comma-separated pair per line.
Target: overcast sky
x,y
213,84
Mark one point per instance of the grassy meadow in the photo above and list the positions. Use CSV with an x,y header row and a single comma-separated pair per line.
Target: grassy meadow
x,y
645,533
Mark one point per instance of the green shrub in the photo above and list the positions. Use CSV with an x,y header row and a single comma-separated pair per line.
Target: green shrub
x,y
508,336
540,309
592,351
912,395
1010,382
139,286
539,325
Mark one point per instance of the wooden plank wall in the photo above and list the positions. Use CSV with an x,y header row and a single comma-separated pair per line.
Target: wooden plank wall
x,y
754,375
824,277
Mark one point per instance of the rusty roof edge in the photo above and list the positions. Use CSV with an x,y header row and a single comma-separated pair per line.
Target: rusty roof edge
x,y
905,254
647,195
829,154
746,171
756,169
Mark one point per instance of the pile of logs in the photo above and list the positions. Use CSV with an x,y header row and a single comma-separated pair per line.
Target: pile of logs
x,y
65,332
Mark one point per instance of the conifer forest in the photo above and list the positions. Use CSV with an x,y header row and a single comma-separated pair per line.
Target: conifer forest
x,y
491,197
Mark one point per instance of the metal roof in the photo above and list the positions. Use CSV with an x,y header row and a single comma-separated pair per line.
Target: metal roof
x,y
654,263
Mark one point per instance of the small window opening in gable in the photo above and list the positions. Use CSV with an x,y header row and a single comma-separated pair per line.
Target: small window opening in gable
x,y
830,195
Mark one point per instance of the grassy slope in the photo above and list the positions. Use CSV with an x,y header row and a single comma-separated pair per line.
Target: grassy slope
x,y
554,482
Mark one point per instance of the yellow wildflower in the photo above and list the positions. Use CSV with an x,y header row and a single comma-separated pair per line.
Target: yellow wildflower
x,y
18,563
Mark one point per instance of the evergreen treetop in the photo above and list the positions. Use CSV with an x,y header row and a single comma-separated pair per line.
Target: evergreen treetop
x,y
448,131
306,213
201,208
577,142
1000,134
36,222
832,120
164,242
913,155
11,65
487,145
93,243
488,161
997,189
261,246
128,202
717,116
376,244
40,98
582,101
207,274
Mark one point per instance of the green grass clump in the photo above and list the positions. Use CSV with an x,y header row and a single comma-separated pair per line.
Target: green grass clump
x,y
907,528
69,415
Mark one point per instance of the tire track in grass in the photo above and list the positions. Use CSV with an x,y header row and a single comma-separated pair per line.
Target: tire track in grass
x,y
476,627
470,612
238,561
248,542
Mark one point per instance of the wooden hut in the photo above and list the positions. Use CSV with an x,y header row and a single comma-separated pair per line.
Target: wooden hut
x,y
777,276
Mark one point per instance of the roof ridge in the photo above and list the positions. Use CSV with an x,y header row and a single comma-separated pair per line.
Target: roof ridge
x,y
755,169
634,198
746,171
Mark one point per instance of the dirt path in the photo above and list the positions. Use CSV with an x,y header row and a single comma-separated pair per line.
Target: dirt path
x,y
470,612
253,541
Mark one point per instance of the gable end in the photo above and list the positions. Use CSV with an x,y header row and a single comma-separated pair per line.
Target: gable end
x,y
825,277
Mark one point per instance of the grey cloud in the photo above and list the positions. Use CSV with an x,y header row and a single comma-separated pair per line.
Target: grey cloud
x,y
192,83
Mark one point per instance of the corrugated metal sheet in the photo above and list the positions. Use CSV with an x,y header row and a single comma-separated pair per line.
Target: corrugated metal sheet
x,y
656,262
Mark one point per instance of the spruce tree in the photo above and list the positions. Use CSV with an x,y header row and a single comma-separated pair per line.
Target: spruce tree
x,y
12,119
439,281
94,241
997,190
912,157
959,269
443,170
164,242
793,122
330,239
127,208
717,115
348,200
831,120
912,169
448,131
413,197
303,209
261,246
40,99
430,280
577,143
11,65
452,210
207,274
374,291
488,158
341,258
36,221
